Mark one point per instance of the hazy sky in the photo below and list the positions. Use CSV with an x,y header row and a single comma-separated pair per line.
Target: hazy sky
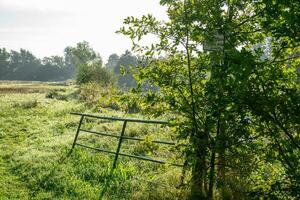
x,y
46,27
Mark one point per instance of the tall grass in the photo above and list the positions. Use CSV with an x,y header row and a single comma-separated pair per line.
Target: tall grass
x,y
36,134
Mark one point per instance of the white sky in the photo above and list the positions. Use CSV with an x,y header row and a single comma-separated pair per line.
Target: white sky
x,y
46,27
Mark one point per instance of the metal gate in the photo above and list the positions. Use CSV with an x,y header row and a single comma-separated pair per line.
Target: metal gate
x,y
121,138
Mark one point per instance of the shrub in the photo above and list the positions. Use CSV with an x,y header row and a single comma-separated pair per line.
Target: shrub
x,y
93,94
130,103
54,94
90,93
26,104
145,147
51,94
92,72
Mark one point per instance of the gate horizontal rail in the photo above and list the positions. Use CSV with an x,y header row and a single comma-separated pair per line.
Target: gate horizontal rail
x,y
121,137
129,155
121,119
127,137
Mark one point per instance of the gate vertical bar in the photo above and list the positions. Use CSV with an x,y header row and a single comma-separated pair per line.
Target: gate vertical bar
x,y
77,133
119,145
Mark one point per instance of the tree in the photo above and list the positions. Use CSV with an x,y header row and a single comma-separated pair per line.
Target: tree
x,y
23,65
112,61
4,63
123,69
216,93
52,69
88,64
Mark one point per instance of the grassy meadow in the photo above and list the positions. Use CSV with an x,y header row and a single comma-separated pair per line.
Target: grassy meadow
x,y
36,135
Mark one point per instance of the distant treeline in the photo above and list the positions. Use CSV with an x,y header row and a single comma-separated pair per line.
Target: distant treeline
x,y
23,65
80,63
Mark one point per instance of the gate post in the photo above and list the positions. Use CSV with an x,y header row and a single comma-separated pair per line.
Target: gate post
x,y
119,145
77,133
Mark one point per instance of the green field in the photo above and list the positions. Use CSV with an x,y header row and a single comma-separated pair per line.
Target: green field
x,y
36,135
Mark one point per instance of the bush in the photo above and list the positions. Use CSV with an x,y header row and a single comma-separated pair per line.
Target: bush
x,y
91,72
108,96
89,93
26,104
51,94
93,94
145,147
130,103
54,94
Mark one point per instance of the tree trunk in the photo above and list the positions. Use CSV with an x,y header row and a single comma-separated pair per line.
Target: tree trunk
x,y
199,186
221,172
222,163
212,175
212,161
198,178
